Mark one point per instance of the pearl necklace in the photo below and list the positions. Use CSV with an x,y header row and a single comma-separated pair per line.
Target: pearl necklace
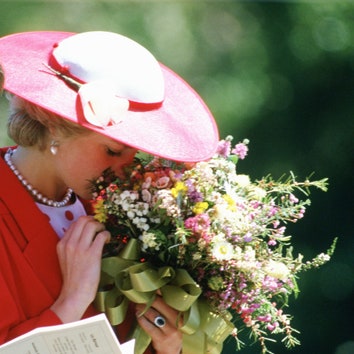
x,y
32,190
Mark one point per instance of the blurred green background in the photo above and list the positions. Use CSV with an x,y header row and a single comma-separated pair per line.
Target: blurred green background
x,y
278,73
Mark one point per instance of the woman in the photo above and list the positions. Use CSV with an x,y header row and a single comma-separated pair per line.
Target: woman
x,y
81,103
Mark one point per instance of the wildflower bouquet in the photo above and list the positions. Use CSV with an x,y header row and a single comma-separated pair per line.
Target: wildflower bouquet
x,y
212,241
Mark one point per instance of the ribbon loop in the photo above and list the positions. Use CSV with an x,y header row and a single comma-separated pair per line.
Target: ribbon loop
x,y
181,292
145,278
124,278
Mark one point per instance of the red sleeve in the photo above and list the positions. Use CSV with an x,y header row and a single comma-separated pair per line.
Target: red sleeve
x,y
46,318
13,319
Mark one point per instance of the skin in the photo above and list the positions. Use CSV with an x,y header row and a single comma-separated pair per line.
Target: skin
x,y
167,339
79,160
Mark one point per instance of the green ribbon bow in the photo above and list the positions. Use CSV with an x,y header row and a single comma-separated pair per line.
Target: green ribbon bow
x,y
124,278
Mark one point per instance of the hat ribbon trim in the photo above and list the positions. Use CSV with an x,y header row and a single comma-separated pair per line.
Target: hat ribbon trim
x,y
75,84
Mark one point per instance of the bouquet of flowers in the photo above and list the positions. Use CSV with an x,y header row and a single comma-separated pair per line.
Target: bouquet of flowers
x,y
211,241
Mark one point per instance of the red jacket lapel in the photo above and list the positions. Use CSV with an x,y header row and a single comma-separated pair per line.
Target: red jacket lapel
x,y
31,230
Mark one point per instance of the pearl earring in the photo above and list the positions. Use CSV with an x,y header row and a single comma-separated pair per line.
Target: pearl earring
x,y
54,147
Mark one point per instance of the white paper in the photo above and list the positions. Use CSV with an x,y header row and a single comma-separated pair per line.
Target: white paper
x,y
93,335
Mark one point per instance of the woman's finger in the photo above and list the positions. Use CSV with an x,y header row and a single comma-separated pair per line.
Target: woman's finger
x,y
82,232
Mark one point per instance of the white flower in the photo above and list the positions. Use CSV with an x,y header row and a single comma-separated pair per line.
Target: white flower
x,y
242,180
246,261
222,250
168,203
277,270
155,220
257,192
196,256
222,212
130,214
250,254
149,240
141,209
141,223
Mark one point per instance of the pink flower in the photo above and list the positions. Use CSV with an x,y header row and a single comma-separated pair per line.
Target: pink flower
x,y
273,326
293,199
162,182
272,242
265,318
198,224
241,150
224,148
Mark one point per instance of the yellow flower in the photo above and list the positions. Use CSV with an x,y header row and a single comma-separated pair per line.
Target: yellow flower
x,y
230,202
200,207
179,188
99,211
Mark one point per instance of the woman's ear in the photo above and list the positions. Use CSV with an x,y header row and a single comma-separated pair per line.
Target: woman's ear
x,y
54,131
53,138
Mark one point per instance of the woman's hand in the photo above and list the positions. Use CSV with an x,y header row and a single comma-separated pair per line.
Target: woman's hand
x,y
79,254
166,339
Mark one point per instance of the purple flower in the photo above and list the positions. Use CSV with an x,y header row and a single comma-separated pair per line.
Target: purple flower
x,y
248,237
193,194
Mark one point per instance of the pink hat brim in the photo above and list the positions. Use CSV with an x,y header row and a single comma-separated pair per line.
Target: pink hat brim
x,y
182,129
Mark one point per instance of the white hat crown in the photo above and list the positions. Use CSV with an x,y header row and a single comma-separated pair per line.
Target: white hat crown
x,y
110,57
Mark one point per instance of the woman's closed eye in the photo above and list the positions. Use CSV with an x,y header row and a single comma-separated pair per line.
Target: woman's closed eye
x,y
115,153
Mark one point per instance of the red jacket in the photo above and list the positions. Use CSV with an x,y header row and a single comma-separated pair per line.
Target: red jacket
x,y
30,277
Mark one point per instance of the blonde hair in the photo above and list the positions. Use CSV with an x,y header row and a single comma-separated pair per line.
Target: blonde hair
x,y
31,125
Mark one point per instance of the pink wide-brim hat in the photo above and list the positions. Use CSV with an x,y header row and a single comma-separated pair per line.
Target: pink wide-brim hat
x,y
161,114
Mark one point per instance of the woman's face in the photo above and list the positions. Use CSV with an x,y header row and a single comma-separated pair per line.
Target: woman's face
x,y
83,158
